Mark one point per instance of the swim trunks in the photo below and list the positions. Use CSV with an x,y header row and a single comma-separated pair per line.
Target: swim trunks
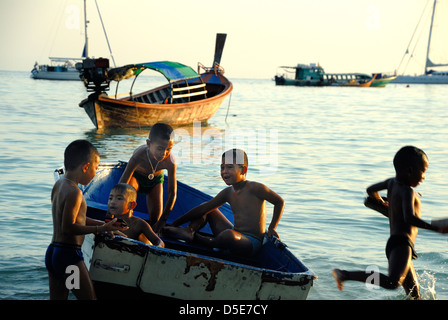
x,y
61,255
256,241
399,240
144,184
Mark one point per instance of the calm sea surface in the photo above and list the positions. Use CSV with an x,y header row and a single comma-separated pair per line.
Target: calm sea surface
x,y
319,148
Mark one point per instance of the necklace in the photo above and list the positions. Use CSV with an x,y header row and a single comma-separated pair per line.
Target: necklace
x,y
151,175
71,181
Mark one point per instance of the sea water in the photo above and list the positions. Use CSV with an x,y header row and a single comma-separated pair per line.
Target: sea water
x,y
319,148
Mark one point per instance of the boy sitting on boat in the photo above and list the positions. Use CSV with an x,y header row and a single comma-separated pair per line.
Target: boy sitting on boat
x,y
122,201
144,172
247,200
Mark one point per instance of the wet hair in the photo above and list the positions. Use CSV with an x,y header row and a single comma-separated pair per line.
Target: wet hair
x,y
126,189
161,131
235,156
78,153
409,156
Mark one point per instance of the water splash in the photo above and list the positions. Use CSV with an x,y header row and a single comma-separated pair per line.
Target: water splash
x,y
427,286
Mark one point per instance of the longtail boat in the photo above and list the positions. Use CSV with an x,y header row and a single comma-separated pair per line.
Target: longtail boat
x,y
187,97
183,270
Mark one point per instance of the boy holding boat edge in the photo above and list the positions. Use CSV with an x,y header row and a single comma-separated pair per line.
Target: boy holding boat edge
x,y
70,223
144,172
404,215
122,201
247,200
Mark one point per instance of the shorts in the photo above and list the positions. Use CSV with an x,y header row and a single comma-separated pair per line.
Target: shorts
x,y
144,184
399,240
61,255
257,243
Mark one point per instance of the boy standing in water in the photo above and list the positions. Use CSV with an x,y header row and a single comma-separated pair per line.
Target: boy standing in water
x,y
122,201
247,200
70,223
404,218
144,172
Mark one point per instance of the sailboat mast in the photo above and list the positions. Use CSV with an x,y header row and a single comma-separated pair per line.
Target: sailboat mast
x,y
429,38
86,45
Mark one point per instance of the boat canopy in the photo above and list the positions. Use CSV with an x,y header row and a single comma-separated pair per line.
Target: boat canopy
x,y
171,70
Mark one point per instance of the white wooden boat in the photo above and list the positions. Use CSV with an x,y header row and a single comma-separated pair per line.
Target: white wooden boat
x,y
184,270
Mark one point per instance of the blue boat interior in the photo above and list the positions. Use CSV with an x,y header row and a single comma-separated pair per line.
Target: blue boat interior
x,y
274,255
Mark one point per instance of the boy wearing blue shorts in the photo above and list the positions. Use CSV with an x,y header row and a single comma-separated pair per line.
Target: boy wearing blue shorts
x,y
247,200
70,223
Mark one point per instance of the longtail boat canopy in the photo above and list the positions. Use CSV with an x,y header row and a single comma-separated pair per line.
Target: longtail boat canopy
x,y
171,70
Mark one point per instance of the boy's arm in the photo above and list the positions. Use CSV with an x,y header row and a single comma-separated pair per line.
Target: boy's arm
x,y
374,201
202,209
408,199
70,225
373,190
150,234
172,195
267,194
128,171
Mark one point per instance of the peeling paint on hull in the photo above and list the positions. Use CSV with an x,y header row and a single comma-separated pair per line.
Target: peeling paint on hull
x,y
183,275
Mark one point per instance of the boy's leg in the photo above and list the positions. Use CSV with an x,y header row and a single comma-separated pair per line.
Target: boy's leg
x,y
86,290
154,202
185,233
410,284
217,221
399,260
58,290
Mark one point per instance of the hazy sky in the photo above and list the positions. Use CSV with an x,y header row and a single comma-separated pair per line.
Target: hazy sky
x,y
343,36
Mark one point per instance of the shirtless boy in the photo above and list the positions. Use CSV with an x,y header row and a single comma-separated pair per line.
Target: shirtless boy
x,y
144,172
247,200
70,223
404,218
122,201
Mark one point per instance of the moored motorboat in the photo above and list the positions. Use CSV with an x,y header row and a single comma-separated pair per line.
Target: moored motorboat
x,y
314,75
184,270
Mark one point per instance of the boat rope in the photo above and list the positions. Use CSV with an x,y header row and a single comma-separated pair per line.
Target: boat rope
x,y
228,107
105,34
410,41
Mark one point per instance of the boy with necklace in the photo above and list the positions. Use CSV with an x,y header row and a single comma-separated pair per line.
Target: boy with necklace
x,y
144,172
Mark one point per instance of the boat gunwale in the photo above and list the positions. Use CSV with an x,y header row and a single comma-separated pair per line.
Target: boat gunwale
x,y
228,88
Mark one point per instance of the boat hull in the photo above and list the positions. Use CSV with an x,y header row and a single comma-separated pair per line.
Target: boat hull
x,y
281,81
382,82
422,79
104,111
71,75
184,270
150,271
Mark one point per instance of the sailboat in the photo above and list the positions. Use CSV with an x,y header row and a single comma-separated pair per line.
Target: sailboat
x,y
430,76
65,68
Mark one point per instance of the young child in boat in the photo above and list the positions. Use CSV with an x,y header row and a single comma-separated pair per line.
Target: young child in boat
x,y
248,203
144,172
404,215
122,201
70,223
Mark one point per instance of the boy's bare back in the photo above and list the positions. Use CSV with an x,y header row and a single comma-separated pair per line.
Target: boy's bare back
x,y
67,203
